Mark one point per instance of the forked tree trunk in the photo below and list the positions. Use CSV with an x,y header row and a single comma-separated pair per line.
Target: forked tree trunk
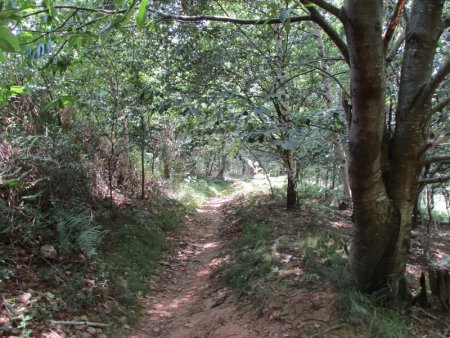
x,y
383,201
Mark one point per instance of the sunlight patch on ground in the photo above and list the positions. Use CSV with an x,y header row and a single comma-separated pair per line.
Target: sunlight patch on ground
x,y
339,225
413,270
203,273
259,183
161,309
209,245
217,261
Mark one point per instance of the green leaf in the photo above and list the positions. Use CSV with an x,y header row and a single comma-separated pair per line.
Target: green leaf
x,y
8,41
10,184
17,89
2,57
285,14
289,145
287,26
141,15
61,102
51,8
66,100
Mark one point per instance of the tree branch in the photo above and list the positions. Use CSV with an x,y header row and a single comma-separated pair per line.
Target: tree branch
x,y
325,6
393,51
446,21
437,158
50,60
439,77
395,20
441,104
77,8
77,322
438,179
332,34
199,18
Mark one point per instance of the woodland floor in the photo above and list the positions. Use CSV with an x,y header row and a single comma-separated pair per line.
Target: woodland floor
x,y
298,291
190,302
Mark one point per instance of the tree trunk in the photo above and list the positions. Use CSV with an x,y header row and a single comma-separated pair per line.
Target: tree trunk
x,y
439,278
142,157
291,194
375,218
334,136
412,118
223,165
282,107
292,174
383,201
167,150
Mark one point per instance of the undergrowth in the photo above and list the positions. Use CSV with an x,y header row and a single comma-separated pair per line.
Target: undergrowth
x,y
358,309
253,266
131,252
193,192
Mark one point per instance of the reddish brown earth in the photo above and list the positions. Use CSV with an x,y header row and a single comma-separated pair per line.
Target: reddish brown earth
x,y
188,303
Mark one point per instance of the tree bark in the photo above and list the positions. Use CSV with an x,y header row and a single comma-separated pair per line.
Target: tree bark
x,y
282,107
412,120
142,156
223,164
339,150
375,218
383,208
167,150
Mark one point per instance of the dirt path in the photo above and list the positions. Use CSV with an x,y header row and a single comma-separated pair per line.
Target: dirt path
x,y
187,303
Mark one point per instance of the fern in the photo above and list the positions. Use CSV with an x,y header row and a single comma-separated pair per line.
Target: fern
x,y
77,231
89,238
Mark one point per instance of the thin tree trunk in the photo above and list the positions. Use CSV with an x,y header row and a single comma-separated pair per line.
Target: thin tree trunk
x,y
142,157
272,194
223,164
282,107
167,150
335,138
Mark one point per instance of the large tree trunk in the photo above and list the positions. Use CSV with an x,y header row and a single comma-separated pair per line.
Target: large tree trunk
x,y
375,218
412,119
383,201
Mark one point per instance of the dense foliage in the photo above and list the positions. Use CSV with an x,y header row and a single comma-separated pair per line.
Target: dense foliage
x,y
101,101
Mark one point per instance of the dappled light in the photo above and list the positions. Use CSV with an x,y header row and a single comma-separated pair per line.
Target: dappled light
x,y
195,169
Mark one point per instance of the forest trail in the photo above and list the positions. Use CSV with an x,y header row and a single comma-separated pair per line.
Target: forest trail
x,y
188,303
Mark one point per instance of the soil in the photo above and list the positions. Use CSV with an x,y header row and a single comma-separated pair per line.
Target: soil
x,y
188,302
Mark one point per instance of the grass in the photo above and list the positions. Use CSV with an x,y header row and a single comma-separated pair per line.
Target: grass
x,y
358,309
323,258
193,192
252,270
323,255
132,250
252,263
